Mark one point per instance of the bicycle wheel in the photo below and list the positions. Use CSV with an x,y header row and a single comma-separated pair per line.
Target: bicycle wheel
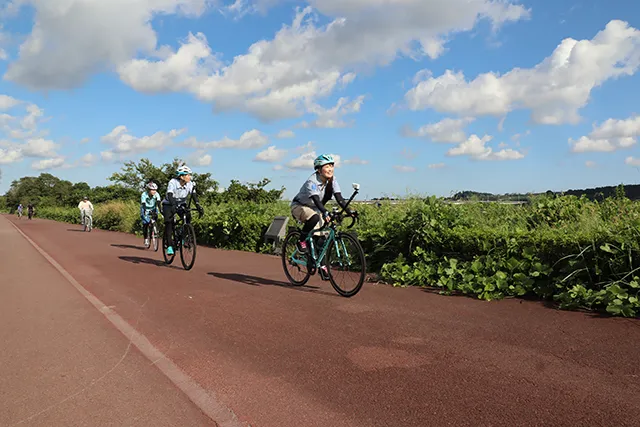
x,y
90,226
291,257
168,259
154,237
188,247
346,260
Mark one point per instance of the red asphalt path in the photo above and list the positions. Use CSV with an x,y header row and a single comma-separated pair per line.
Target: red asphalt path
x,y
277,355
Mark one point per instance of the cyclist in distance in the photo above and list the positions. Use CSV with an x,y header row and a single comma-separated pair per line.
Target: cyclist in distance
x,y
308,205
149,202
30,209
85,206
20,210
175,202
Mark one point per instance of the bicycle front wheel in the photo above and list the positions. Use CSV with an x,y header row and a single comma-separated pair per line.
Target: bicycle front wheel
x,y
188,247
346,264
167,258
293,262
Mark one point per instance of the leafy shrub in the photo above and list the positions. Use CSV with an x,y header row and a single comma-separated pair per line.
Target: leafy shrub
x,y
582,254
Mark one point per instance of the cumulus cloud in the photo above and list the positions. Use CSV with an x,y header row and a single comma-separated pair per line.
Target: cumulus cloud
x,y
276,78
554,90
200,158
46,164
123,143
72,39
285,133
271,155
10,155
632,161
248,140
7,102
447,130
476,148
88,159
611,135
333,117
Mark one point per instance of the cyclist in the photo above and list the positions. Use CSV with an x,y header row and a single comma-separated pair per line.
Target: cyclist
x,y
30,209
308,205
175,202
20,210
149,202
86,208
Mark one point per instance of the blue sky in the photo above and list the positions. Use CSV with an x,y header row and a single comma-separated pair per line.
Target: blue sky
x,y
428,97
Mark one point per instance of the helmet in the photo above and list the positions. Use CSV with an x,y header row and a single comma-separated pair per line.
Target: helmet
x,y
321,160
183,170
152,186
85,198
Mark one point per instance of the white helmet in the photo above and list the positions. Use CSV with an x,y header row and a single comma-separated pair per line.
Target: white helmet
x,y
183,170
152,186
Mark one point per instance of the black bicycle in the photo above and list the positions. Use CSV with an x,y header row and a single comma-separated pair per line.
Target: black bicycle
x,y
184,238
343,253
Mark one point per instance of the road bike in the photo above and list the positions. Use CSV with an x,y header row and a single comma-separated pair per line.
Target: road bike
x,y
30,213
184,238
87,219
342,250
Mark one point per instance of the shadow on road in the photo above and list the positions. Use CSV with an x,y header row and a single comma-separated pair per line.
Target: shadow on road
x,y
75,229
140,248
141,260
260,281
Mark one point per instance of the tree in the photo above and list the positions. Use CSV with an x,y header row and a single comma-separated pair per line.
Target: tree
x,y
251,192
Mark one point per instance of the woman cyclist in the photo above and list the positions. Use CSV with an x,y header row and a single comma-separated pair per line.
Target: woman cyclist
x,y
175,202
308,205
149,202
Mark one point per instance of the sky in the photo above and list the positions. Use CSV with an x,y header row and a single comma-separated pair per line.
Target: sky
x,y
424,97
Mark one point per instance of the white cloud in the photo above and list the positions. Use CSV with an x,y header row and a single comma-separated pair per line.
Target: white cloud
x,y
553,90
590,164
200,158
309,146
72,39
356,161
48,163
632,161
447,130
107,156
404,169
271,155
332,118
124,143
305,161
248,140
611,135
278,167
518,136
436,166
285,133
89,159
408,154
278,78
10,155
85,140
476,148
7,102
39,148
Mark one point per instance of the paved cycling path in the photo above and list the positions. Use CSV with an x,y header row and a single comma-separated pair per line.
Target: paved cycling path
x,y
62,363
284,356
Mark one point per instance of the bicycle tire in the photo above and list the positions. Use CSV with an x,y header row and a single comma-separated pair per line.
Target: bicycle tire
x,y
168,259
293,237
154,237
360,253
188,231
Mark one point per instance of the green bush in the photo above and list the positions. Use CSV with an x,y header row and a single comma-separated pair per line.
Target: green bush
x,y
582,254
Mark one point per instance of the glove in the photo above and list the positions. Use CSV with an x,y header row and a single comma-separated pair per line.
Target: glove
x,y
200,209
181,209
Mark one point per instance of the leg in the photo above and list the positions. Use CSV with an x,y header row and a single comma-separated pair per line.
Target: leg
x,y
168,212
311,220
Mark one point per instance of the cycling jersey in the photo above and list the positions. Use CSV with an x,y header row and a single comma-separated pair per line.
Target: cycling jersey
x,y
150,202
179,192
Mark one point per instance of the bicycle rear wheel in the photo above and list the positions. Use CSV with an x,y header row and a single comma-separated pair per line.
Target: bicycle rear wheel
x,y
346,261
298,274
154,237
188,247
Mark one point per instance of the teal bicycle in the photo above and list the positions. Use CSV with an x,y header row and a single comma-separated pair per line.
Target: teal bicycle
x,y
339,257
